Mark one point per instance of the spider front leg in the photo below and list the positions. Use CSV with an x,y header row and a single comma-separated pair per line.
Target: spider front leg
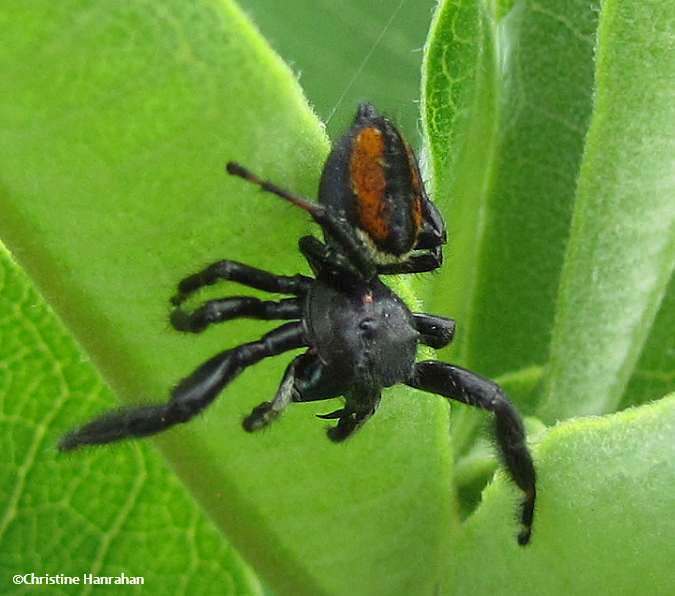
x,y
360,406
417,263
225,309
469,388
252,277
430,242
332,223
324,259
304,380
436,332
189,397
268,411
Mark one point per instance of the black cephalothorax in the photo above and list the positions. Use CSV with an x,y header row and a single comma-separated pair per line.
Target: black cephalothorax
x,y
360,336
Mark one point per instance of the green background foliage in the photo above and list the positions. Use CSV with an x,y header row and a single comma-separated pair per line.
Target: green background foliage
x,y
550,136
100,512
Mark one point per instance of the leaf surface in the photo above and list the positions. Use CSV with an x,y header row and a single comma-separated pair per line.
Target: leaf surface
x,y
621,251
604,519
505,138
118,128
557,171
98,512
347,51
506,135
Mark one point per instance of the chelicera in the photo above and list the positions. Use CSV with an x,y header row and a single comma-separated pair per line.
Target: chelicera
x,y
360,336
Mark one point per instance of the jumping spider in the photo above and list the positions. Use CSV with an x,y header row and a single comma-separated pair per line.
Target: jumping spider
x,y
360,336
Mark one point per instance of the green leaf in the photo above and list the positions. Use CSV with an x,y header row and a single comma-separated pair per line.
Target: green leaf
x,y
621,250
506,149
540,200
459,107
120,121
99,512
114,136
603,524
506,136
346,51
654,373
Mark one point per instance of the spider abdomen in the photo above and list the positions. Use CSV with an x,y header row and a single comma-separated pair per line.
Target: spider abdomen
x,y
365,337
372,178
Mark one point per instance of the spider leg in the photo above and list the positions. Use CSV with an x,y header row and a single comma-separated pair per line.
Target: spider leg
x,y
305,380
335,415
416,263
431,239
189,397
434,331
334,225
433,233
469,388
324,259
224,309
297,285
268,411
358,409
314,383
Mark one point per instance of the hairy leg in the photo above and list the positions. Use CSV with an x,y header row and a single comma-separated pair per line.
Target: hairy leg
x,y
225,309
416,263
252,277
330,222
189,397
359,408
268,411
324,259
469,388
434,331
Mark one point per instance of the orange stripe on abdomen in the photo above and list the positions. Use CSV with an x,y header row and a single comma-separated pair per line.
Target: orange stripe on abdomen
x,y
369,181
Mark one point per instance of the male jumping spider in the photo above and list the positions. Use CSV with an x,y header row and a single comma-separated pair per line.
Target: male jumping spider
x,y
360,336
